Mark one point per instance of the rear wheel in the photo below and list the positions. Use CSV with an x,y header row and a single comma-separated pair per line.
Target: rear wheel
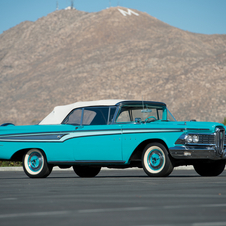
x,y
211,168
156,161
35,164
86,171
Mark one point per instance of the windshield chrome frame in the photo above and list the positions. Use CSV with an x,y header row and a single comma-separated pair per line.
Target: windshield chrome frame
x,y
171,114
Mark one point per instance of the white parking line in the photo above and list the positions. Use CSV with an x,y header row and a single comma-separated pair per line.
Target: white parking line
x,y
57,213
87,211
8,199
196,206
112,210
35,214
210,224
214,205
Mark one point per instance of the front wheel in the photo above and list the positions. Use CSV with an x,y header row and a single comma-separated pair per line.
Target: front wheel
x,y
211,168
35,164
156,161
86,171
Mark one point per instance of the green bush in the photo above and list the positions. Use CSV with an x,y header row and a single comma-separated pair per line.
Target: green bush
x,y
9,163
224,122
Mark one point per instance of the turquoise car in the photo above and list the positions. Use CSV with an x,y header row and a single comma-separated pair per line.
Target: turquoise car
x,y
114,134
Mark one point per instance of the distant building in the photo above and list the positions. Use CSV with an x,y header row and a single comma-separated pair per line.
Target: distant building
x,y
69,7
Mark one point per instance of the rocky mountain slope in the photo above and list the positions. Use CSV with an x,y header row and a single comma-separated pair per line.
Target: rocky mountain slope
x,y
71,56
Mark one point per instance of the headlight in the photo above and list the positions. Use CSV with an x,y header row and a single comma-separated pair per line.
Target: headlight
x,y
192,138
189,138
195,139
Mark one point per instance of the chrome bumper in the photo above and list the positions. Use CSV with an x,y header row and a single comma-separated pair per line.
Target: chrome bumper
x,y
197,152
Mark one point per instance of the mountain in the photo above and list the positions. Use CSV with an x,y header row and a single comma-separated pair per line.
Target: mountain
x,y
71,56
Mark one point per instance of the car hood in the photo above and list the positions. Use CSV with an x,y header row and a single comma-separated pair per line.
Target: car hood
x,y
190,125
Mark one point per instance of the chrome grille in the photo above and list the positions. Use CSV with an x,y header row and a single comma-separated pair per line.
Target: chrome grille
x,y
206,139
220,137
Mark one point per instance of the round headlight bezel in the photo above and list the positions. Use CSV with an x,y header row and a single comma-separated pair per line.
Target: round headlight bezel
x,y
189,138
192,138
195,138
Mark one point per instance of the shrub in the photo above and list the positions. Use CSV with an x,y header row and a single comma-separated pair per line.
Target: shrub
x,y
224,122
9,163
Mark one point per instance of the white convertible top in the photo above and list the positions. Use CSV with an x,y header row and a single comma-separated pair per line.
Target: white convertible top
x,y
60,112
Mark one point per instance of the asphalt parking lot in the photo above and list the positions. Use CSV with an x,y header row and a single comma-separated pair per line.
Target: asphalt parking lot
x,y
114,197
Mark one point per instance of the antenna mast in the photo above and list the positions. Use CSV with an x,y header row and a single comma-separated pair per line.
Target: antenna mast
x,y
72,4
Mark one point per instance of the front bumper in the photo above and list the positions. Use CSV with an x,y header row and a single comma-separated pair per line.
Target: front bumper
x,y
197,152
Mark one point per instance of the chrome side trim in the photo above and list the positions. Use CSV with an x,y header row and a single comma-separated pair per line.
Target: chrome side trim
x,y
33,137
63,136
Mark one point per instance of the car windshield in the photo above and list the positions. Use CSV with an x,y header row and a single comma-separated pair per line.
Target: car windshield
x,y
143,113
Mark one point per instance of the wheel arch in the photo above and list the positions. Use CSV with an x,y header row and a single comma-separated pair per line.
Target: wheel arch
x,y
137,153
18,156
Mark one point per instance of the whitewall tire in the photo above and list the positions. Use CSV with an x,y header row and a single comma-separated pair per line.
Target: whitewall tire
x,y
156,161
35,164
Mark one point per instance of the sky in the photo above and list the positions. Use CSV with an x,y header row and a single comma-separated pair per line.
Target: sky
x,y
199,16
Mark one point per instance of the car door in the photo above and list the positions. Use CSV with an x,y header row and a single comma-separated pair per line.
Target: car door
x,y
95,139
98,143
134,132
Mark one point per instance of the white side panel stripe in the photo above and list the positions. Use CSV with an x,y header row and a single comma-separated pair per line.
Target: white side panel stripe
x,y
71,135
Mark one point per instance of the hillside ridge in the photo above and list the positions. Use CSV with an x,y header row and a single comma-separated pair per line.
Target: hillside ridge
x,y
70,55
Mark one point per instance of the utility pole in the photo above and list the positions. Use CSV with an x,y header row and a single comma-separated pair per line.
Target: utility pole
x,y
72,4
57,5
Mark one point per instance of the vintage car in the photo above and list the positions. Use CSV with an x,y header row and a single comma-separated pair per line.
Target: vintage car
x,y
114,134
